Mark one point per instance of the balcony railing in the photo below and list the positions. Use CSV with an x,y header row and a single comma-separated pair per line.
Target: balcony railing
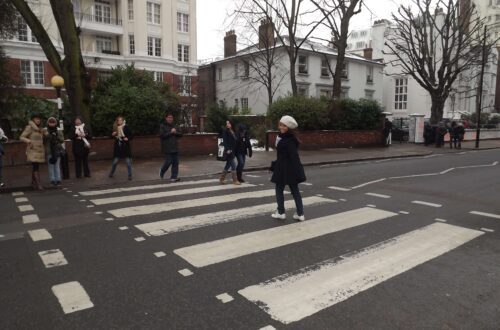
x,y
97,19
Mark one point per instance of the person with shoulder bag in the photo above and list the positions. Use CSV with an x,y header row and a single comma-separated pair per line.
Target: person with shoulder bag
x,y
242,149
80,136
3,139
229,141
35,152
122,135
53,150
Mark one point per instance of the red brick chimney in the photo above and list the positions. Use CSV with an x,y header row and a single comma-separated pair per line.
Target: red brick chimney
x,y
368,53
266,34
230,44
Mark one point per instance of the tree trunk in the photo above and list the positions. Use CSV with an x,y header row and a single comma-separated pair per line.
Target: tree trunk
x,y
293,77
437,108
337,79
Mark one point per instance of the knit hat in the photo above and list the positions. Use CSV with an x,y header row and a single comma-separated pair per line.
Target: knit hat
x,y
289,122
52,120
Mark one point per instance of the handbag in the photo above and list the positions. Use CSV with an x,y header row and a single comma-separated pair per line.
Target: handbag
x,y
221,153
86,143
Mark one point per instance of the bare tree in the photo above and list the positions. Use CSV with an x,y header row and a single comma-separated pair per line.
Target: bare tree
x,y
433,42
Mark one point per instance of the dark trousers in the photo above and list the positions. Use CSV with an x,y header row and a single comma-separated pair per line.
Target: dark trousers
x,y
82,160
241,163
1,166
171,159
280,198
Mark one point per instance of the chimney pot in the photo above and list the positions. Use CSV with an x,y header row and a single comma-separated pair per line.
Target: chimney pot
x,y
368,53
230,44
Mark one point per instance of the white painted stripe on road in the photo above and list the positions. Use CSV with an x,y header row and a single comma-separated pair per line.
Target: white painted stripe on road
x,y
164,227
25,208
484,214
378,195
53,258
225,298
19,193
21,200
141,197
252,176
160,254
123,228
209,253
72,297
185,272
404,212
164,207
413,176
487,230
426,204
339,188
294,296
139,239
39,235
306,183
446,171
30,218
268,327
147,187
371,205
440,220
368,183
479,166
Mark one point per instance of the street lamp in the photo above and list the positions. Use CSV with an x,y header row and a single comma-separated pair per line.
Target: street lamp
x,y
58,82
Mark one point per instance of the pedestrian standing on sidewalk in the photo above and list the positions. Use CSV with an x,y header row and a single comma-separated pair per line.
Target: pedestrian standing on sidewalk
x,y
170,135
452,130
80,136
122,135
53,151
287,168
459,134
229,141
440,133
33,136
3,139
387,132
242,149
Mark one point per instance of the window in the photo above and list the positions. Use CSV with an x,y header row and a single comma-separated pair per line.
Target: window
x,y
303,64
360,44
131,44
103,44
153,13
303,90
401,93
23,31
369,75
154,46
32,73
246,68
185,87
363,33
102,12
244,103
345,70
325,93
236,104
325,70
158,76
344,93
236,70
354,35
183,53
130,10
182,22
369,94
220,74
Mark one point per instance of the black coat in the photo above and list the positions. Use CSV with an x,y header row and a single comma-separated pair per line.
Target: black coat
x,y
229,142
122,148
169,141
79,148
243,145
287,168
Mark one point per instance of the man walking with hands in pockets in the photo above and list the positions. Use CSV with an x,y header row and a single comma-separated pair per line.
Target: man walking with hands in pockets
x,y
169,135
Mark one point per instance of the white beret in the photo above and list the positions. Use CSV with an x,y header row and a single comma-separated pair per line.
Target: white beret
x,y
289,122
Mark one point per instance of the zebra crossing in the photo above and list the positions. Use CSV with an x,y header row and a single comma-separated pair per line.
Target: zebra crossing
x,y
296,294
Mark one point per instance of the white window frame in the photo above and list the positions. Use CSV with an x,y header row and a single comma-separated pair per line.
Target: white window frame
x,y
131,44
153,13
244,103
326,92
325,69
401,93
23,26
303,90
154,46
102,12
183,53
35,76
185,87
303,66
236,70
103,43
369,74
236,104
345,70
246,69
130,9
182,22
158,76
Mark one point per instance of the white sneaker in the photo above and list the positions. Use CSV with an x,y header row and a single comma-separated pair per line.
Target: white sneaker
x,y
299,217
277,215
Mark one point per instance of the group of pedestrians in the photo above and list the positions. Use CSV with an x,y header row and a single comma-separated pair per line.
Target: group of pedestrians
x,y
237,147
436,134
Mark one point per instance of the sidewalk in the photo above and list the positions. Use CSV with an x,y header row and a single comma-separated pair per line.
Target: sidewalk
x,y
18,177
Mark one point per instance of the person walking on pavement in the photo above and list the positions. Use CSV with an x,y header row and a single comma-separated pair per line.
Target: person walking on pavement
x,y
33,136
170,135
3,139
440,133
53,150
229,141
287,168
80,136
459,134
242,149
122,135
387,132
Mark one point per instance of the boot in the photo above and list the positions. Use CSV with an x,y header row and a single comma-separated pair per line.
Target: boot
x,y
33,180
223,177
235,178
38,183
240,176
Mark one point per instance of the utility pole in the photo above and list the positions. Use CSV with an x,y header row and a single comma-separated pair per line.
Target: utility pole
x,y
479,96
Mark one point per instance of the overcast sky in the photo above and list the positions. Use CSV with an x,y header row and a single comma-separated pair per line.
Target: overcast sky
x,y
211,15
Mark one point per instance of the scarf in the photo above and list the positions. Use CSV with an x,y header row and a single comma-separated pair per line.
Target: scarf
x,y
119,129
79,131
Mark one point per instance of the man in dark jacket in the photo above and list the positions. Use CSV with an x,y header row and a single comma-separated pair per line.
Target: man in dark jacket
x,y
169,135
242,149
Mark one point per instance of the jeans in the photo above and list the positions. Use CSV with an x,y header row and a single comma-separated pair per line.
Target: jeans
x,y
230,163
1,166
171,159
54,169
241,162
280,198
128,161
79,161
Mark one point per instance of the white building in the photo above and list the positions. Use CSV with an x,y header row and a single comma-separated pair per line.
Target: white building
x,y
156,35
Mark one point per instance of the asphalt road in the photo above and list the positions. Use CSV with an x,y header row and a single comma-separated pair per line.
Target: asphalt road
x,y
408,243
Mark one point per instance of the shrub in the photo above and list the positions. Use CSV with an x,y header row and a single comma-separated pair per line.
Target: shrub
x,y
216,118
310,113
349,114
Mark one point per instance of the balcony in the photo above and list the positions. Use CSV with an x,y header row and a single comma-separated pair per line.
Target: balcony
x,y
99,24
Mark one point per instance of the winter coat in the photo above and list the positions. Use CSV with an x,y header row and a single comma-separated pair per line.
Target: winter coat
x,y
33,135
459,132
53,140
287,168
229,142
122,148
79,148
3,139
243,145
169,141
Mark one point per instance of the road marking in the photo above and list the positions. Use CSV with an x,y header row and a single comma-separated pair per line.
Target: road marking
x,y
185,272
90,206
160,254
343,200
484,214
98,212
164,207
294,296
109,219
319,195
426,204
82,200
479,166
21,200
123,228
268,327
30,218
209,253
69,191
371,205
39,235
53,258
487,230
413,176
19,193
139,239
72,297
164,227
141,197
368,183
339,188
25,208
306,183
446,171
404,212
440,220
378,195
75,195
225,298
252,176
148,187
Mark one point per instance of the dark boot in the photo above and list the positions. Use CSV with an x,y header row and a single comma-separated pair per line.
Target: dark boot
x,y
38,182
240,176
222,178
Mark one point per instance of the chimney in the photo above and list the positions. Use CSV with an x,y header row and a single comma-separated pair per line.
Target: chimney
x,y
266,33
230,44
368,53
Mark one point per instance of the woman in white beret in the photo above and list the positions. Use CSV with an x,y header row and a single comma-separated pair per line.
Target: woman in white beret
x,y
287,168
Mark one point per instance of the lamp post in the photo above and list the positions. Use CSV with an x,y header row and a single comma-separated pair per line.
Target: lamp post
x,y
58,82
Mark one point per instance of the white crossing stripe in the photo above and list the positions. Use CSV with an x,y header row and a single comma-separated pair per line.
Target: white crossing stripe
x,y
20,193
368,183
185,272
39,235
53,258
404,212
160,254
489,215
72,297
209,253
148,187
164,207
268,327
294,296
139,239
141,197
440,220
426,204
339,188
252,176
30,218
21,200
488,230
164,227
25,208
378,195
224,297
